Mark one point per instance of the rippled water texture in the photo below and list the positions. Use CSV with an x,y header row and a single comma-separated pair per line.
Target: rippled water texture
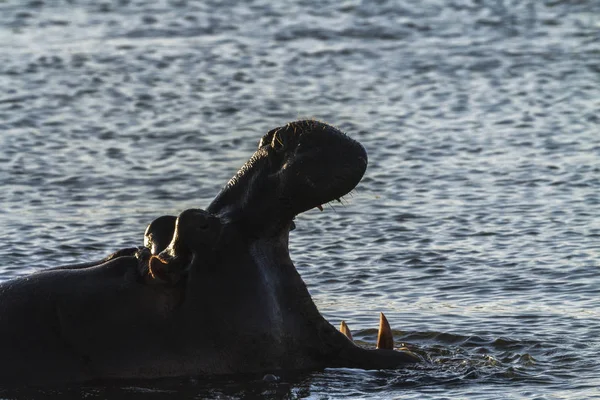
x,y
476,228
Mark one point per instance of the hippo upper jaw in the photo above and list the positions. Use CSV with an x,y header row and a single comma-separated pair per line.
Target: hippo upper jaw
x,y
299,166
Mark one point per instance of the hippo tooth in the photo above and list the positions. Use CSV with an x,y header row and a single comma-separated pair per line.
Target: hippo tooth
x,y
346,330
385,338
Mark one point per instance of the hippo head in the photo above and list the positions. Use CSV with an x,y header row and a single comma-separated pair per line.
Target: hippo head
x,y
297,167
236,264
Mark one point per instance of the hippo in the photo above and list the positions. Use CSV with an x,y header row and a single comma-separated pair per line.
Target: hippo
x,y
212,292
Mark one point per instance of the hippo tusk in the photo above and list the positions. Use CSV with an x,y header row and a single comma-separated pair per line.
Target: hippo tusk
x,y
385,337
346,330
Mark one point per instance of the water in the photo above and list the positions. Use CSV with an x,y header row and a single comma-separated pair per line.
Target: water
x,y
476,228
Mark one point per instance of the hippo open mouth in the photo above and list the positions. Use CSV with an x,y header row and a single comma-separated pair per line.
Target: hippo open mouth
x,y
296,167
212,292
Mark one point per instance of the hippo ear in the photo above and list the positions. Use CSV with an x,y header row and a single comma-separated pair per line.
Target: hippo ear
x,y
164,271
385,338
346,330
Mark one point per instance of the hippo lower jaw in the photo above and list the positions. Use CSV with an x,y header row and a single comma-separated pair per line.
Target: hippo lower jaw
x,y
295,328
337,348
384,356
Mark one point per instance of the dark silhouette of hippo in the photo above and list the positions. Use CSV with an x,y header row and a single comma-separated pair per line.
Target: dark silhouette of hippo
x,y
219,296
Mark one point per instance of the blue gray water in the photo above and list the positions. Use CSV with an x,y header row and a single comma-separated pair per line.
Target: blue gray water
x,y
476,228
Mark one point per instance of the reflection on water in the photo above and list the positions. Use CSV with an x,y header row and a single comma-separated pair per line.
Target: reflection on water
x,y
475,228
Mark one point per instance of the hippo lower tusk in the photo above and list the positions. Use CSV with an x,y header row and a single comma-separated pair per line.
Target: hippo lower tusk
x,y
346,330
385,337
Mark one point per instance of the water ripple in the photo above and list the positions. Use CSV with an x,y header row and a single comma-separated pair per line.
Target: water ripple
x,y
475,228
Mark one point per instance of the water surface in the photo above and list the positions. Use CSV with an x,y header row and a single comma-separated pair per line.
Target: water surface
x,y
476,228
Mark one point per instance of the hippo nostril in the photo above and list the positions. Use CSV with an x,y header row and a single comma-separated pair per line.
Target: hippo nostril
x,y
278,143
267,138
274,139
